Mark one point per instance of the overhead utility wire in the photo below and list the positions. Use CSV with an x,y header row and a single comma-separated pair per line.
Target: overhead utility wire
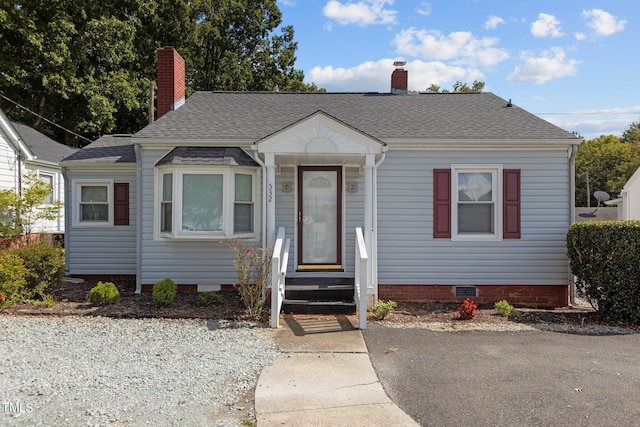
x,y
45,119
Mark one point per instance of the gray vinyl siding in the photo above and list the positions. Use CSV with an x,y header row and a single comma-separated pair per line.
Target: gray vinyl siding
x,y
185,261
353,216
408,253
102,251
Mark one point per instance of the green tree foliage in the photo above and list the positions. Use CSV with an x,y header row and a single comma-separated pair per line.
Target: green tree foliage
x,y
608,163
632,133
88,66
20,214
458,87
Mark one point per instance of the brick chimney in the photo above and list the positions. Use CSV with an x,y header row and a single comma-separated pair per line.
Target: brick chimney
x,y
171,80
399,79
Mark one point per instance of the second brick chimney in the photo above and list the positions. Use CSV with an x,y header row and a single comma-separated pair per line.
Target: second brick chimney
x,y
399,79
171,80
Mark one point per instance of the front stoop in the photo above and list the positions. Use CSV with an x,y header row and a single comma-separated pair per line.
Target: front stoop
x,y
319,296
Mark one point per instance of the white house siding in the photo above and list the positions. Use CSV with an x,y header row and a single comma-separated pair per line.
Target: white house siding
x,y
206,263
8,165
408,253
56,225
102,251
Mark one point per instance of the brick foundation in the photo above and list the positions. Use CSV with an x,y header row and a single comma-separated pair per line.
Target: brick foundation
x,y
523,295
106,277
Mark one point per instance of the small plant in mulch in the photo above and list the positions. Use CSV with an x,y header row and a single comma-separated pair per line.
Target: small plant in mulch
x,y
164,292
505,309
103,294
467,310
382,309
207,299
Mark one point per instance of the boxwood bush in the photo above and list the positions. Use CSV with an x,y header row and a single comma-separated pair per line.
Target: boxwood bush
x,y
104,293
164,292
605,259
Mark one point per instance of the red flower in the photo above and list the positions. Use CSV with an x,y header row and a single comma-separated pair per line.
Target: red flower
x,y
248,250
2,297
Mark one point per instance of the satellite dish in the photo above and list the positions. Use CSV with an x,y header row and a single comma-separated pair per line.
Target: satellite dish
x,y
600,196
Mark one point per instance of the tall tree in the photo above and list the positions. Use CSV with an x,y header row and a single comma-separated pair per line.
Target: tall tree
x,y
458,87
632,133
607,163
88,66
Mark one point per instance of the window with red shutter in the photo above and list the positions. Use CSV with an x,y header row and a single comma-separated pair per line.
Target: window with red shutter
x,y
121,203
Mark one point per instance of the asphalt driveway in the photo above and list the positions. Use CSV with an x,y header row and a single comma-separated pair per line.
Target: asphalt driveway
x,y
487,378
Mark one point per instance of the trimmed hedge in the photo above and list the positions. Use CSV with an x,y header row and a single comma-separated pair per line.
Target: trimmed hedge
x,y
605,258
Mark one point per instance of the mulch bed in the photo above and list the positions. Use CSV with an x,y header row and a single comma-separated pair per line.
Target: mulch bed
x,y
71,300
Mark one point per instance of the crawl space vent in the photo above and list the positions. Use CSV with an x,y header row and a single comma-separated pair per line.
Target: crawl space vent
x,y
466,291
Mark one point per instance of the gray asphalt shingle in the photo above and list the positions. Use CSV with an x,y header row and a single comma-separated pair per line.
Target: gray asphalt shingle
x,y
252,116
43,147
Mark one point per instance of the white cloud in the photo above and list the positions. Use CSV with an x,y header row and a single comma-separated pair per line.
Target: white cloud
x,y
493,22
363,13
580,36
546,26
603,23
376,76
424,9
287,2
462,47
552,64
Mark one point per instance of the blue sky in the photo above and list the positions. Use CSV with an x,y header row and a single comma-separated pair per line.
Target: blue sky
x,y
573,63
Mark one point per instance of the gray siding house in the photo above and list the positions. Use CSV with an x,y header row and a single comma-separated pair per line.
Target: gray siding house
x,y
456,194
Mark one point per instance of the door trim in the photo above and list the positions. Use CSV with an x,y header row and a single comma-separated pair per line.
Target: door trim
x,y
339,226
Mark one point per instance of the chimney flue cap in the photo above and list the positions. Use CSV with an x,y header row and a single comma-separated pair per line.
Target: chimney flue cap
x,y
399,64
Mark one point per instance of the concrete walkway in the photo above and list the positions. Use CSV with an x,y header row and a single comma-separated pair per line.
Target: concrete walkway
x,y
323,378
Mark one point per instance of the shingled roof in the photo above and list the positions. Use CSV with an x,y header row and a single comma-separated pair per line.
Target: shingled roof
x,y
434,116
41,146
248,117
108,149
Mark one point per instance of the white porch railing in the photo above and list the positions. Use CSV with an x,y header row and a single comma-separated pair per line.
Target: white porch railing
x,y
361,282
279,262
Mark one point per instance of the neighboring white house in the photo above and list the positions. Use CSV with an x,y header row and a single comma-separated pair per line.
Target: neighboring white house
x,y
457,194
23,150
628,201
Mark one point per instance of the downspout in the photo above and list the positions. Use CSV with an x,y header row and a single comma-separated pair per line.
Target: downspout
x,y
374,239
572,213
254,148
136,149
19,160
67,221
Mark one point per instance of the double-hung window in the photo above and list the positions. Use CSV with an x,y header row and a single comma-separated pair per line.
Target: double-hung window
x,y
93,201
48,179
476,212
212,202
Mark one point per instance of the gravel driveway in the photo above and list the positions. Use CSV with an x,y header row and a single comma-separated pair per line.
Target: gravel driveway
x,y
95,371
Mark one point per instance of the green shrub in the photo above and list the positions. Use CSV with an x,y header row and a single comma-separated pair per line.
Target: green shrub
x,y
12,279
104,293
45,265
164,292
605,259
504,308
207,299
382,309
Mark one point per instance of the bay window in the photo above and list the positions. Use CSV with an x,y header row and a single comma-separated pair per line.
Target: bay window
x,y
211,202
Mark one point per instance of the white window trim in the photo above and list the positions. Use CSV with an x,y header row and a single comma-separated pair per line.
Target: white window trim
x,y
77,185
54,184
228,201
496,171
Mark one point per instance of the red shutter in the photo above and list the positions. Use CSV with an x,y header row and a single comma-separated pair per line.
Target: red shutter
x,y
442,203
121,203
511,204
